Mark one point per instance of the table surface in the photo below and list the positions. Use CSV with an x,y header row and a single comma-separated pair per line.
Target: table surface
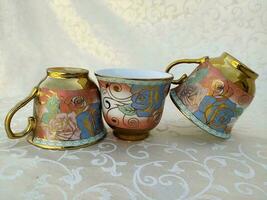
x,y
177,161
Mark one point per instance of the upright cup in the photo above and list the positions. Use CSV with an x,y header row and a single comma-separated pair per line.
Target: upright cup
x,y
133,100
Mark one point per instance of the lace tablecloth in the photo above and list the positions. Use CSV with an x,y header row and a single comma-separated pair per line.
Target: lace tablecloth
x,y
177,161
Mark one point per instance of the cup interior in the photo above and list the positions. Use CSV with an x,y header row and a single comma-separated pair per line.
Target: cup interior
x,y
136,74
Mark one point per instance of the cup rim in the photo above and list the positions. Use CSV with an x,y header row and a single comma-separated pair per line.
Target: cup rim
x,y
239,65
133,74
66,72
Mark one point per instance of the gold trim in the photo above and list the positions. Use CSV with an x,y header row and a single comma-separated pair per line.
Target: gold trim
x,y
182,61
31,120
239,65
131,134
66,72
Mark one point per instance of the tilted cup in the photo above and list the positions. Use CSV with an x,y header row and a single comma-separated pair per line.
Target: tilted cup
x,y
132,100
215,94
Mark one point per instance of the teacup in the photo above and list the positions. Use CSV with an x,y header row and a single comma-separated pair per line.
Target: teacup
x,y
132,100
66,112
215,94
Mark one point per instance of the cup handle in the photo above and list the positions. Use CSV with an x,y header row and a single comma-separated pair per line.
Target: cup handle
x,y
181,61
31,120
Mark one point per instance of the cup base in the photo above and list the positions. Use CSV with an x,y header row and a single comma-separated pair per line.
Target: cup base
x,y
130,135
64,145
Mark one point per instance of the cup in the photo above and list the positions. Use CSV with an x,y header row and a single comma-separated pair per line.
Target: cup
x,y
132,100
215,94
66,112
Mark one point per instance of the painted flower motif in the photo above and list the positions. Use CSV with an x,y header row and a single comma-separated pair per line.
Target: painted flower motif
x,y
73,103
187,94
63,127
216,112
90,121
190,95
147,99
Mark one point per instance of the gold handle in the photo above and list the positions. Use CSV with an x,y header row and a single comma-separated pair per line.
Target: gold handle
x,y
31,120
188,61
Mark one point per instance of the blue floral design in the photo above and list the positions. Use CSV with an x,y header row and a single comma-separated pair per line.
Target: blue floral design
x,y
147,99
90,121
216,112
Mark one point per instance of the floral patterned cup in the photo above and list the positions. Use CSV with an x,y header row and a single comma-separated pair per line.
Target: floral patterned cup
x,y
215,94
67,111
132,100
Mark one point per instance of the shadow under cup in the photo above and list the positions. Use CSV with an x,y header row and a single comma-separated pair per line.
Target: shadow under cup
x,y
133,100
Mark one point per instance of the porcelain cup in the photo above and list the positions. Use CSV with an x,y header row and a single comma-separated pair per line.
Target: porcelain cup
x,y
215,94
66,111
132,100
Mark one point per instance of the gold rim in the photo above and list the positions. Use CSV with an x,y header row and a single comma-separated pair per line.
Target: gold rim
x,y
67,72
240,66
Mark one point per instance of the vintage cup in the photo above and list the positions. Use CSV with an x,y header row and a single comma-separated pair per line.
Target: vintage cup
x,y
215,94
132,100
66,113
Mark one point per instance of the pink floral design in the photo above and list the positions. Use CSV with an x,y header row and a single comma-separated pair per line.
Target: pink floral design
x,y
190,95
64,127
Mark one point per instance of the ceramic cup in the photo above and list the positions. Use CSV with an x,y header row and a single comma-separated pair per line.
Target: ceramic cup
x,y
66,111
215,94
132,100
